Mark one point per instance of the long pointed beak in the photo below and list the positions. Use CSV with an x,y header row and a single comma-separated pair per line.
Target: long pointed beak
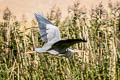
x,y
75,50
78,51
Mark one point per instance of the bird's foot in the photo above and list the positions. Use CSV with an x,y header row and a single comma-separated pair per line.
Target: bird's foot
x,y
30,52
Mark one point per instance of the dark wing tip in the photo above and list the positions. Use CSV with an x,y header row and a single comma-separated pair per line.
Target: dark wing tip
x,y
77,40
85,40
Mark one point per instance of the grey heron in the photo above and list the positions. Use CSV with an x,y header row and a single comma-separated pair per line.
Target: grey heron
x,y
51,36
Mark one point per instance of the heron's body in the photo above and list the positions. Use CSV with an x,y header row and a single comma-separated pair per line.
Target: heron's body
x,y
63,52
51,36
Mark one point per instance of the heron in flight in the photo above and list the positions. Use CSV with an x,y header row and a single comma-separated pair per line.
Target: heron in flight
x,y
51,36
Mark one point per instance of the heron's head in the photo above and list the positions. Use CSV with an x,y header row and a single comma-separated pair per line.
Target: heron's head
x,y
71,51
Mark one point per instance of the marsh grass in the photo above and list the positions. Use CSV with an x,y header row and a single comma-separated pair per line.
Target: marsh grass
x,y
99,59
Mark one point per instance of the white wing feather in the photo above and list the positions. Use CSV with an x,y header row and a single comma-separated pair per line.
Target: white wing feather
x,y
49,32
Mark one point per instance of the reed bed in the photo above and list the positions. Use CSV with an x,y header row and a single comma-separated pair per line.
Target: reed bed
x,y
99,58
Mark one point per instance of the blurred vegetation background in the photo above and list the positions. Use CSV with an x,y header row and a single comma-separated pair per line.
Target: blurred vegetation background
x,y
98,60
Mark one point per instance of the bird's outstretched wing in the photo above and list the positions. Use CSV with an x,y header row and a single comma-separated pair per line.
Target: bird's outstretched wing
x,y
40,17
48,31
63,44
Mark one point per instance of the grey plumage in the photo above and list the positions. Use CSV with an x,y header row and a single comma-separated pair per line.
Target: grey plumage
x,y
51,36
